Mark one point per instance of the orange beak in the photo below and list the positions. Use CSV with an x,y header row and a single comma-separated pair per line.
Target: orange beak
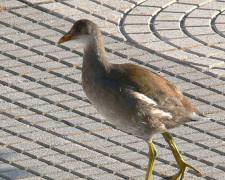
x,y
65,38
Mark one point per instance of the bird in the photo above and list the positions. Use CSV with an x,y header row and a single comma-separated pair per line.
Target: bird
x,y
135,99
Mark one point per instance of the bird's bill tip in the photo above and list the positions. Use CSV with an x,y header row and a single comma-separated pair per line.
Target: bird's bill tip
x,y
65,38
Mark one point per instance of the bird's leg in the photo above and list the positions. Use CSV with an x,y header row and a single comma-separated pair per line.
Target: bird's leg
x,y
152,157
181,163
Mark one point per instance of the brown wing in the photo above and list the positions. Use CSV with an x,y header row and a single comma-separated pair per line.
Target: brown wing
x,y
149,83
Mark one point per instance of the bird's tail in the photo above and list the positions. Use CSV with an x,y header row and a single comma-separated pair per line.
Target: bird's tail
x,y
198,117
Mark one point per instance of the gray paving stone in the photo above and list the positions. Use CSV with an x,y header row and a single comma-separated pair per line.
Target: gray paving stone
x,y
133,172
65,175
192,21
21,53
3,57
76,76
40,76
82,137
131,52
42,152
6,64
99,144
39,135
6,15
118,166
194,76
28,86
58,158
13,157
43,33
26,11
7,31
5,150
40,17
47,49
51,65
74,62
56,81
79,120
74,165
20,113
56,141
15,20
34,178
71,147
215,98
47,108
95,126
22,129
106,176
28,163
26,146
90,171
206,51
67,131
50,124
55,23
45,170
24,70
89,110
9,47
164,64
9,5
36,59
6,106
29,28
41,92
57,98
203,13
210,83
131,156
180,8
62,55
30,43
70,87
199,92
17,174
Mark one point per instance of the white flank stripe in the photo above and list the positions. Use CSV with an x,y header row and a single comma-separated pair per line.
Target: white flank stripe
x,y
145,98
162,113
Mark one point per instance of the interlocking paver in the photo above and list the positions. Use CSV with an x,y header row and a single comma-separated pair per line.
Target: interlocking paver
x,y
55,131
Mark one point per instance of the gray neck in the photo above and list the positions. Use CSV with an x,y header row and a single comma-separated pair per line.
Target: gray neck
x,y
95,62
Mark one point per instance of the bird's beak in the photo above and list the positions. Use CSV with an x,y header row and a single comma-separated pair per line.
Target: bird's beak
x,y
65,38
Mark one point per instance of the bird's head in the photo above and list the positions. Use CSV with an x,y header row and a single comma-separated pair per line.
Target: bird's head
x,y
82,31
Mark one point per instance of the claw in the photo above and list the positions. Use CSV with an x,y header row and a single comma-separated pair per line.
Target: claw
x,y
182,165
182,170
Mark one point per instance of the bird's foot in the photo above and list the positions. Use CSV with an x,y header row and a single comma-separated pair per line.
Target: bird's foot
x,y
183,167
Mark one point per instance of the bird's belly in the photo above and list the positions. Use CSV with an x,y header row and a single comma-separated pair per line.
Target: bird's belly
x,y
123,119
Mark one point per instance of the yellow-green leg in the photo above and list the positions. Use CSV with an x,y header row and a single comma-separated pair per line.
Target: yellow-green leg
x,y
181,163
152,157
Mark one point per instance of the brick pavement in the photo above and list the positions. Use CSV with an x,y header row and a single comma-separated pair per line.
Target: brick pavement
x,y
48,128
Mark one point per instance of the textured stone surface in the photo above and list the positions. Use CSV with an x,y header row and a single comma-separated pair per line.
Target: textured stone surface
x,y
49,130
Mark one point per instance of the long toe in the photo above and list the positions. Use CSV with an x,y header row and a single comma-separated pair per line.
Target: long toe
x,y
181,172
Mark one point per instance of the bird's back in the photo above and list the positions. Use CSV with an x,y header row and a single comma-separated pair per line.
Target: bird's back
x,y
151,84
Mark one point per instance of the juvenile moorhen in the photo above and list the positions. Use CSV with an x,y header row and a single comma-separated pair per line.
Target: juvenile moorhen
x,y
133,98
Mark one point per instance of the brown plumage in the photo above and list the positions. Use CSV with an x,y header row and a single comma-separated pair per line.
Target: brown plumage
x,y
135,99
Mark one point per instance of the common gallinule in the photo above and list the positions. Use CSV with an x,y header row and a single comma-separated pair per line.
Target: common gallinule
x,y
133,98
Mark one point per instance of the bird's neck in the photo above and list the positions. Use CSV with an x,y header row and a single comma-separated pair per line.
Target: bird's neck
x,y
95,62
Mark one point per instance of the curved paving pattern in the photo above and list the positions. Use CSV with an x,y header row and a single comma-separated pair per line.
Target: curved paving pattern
x,y
48,128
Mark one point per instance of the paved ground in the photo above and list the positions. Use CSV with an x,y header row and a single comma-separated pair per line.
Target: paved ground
x,y
49,130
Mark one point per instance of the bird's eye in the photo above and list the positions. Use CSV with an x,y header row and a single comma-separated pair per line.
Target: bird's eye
x,y
78,29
